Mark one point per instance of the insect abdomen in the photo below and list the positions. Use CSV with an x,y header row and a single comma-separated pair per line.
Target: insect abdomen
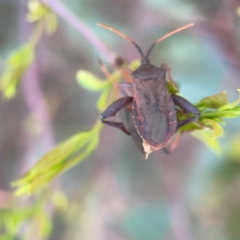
x,y
156,124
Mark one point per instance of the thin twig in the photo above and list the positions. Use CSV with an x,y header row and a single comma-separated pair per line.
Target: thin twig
x,y
70,18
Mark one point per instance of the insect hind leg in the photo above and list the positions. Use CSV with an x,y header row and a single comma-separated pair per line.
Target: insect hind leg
x,y
187,107
173,144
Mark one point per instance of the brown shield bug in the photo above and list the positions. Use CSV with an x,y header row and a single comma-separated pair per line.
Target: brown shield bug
x,y
153,108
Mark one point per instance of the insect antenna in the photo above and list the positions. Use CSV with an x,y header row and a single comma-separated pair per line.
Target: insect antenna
x,y
124,36
105,70
166,36
109,78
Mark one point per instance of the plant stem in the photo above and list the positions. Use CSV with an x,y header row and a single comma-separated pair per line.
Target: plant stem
x,y
70,18
228,113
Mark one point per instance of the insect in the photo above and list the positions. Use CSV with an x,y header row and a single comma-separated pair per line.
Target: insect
x,y
153,110
127,118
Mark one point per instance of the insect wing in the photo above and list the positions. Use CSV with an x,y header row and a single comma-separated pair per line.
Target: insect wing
x,y
154,112
127,118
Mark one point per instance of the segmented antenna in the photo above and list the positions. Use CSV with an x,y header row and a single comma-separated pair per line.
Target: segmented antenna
x,y
168,35
124,36
145,57
104,70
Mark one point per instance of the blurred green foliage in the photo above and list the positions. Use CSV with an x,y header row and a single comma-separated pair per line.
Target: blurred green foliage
x,y
20,60
38,12
31,219
17,64
212,111
149,222
58,160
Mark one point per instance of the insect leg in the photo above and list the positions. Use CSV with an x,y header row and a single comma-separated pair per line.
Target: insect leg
x,y
187,107
126,88
173,143
126,74
169,75
125,84
112,110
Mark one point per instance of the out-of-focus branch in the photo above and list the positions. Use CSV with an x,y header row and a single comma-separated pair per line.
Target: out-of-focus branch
x,y
37,105
70,18
35,102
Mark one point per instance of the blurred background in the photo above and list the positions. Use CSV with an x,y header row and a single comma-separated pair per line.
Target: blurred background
x,y
116,194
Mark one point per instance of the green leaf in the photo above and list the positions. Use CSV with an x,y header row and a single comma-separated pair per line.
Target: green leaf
x,y
217,129
90,82
58,160
50,164
44,224
134,65
172,89
218,120
50,23
40,13
13,218
230,113
102,101
88,150
32,215
206,136
233,149
231,105
59,200
36,10
18,63
189,127
6,237
214,101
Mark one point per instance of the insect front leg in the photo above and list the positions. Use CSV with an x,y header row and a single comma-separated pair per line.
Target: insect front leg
x,y
126,88
187,107
112,110
169,75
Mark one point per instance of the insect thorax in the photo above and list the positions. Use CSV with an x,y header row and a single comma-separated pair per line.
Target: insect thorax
x,y
148,72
